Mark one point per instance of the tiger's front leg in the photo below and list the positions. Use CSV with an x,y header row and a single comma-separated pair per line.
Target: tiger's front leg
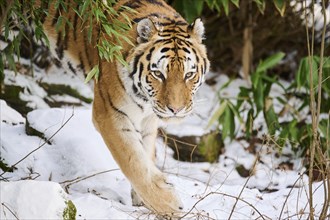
x,y
126,146
149,135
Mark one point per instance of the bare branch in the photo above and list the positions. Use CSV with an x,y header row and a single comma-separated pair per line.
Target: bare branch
x,y
43,144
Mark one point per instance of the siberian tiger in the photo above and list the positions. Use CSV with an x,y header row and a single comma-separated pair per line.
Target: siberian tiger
x,y
166,67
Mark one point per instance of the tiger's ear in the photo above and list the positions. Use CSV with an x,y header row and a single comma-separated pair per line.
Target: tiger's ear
x,y
145,29
197,30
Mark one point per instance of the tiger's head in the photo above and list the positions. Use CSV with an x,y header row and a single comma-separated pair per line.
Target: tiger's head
x,y
168,66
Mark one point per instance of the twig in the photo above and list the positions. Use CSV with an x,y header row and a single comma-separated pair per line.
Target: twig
x,y
312,109
223,194
240,193
78,179
287,197
4,205
43,144
326,198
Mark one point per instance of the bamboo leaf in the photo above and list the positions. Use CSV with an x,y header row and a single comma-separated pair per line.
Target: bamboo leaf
x,y
217,114
258,96
249,123
93,73
270,116
225,5
228,125
261,4
280,6
270,62
235,2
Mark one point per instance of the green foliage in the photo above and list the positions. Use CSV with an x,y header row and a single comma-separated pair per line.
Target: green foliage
x,y
257,98
210,146
96,16
16,16
95,72
70,211
191,9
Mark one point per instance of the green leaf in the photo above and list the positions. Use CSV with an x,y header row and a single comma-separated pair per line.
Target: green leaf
x,y
261,4
249,123
258,96
280,6
303,74
70,211
217,114
270,62
243,95
225,85
235,2
93,73
324,127
225,5
271,117
235,111
120,58
255,79
191,9
228,125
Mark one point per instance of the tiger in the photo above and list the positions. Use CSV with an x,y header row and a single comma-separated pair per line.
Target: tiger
x,y
166,66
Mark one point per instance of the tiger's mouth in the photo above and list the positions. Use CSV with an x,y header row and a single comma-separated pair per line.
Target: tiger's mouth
x,y
170,115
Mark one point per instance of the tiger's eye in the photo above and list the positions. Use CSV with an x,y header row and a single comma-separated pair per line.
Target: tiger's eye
x,y
158,75
189,75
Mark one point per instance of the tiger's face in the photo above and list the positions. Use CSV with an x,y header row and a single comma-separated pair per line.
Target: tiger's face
x,y
170,66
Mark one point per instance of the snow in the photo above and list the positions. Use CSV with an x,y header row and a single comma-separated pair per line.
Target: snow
x,y
30,199
71,162
9,115
75,164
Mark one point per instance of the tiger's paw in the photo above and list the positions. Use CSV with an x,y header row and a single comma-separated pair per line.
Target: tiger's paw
x,y
161,197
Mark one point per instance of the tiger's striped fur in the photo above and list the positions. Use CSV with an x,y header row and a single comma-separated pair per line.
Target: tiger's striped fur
x,y
166,67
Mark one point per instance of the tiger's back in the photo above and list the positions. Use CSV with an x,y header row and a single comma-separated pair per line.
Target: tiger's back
x,y
166,66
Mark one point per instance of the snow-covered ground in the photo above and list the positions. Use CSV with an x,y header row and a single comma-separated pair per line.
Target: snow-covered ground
x,y
71,162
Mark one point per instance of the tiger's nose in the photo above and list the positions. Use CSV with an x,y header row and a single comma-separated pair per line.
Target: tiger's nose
x,y
175,110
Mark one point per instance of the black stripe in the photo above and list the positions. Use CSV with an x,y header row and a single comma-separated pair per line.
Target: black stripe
x,y
204,60
164,35
186,50
67,35
73,70
197,58
133,4
165,49
156,2
135,64
55,19
75,29
164,41
140,71
81,65
162,57
59,46
115,108
148,57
